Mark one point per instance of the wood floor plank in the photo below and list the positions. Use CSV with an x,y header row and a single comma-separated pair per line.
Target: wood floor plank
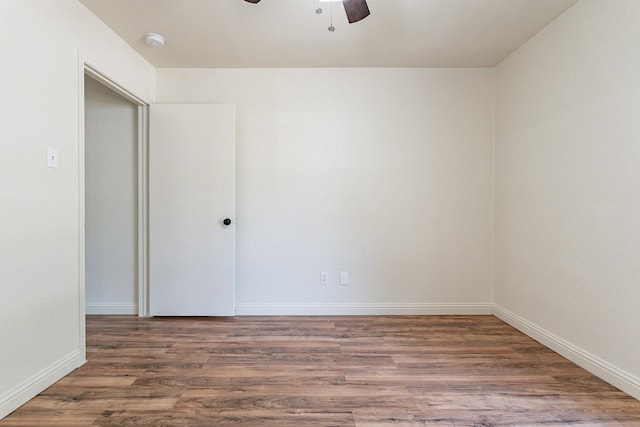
x,y
95,381
473,371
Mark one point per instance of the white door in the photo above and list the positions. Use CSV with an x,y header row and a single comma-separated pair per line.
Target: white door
x,y
191,197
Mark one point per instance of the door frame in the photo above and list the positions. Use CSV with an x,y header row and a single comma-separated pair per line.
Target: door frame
x,y
85,68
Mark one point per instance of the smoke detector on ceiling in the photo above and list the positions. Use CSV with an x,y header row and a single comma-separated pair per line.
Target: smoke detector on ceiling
x,y
154,39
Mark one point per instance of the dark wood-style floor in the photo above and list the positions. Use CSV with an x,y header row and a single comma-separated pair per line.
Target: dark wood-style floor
x,y
322,371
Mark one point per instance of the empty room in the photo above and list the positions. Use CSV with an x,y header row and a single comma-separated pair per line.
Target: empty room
x,y
315,212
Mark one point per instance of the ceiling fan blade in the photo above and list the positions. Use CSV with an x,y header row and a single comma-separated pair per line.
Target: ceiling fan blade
x,y
252,1
356,10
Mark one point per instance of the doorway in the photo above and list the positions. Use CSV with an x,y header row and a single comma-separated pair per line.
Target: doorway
x,y
111,199
87,73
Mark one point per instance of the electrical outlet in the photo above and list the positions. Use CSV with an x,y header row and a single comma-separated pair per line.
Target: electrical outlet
x,y
344,278
324,278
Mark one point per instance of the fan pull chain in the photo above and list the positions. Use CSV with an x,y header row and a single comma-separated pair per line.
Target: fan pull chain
x,y
331,27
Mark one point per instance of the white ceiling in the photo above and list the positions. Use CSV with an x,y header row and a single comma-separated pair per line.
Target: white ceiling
x,y
288,33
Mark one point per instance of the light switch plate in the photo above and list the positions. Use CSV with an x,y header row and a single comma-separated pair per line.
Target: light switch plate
x,y
52,157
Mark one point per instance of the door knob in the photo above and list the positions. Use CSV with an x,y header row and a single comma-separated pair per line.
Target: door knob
x,y
227,221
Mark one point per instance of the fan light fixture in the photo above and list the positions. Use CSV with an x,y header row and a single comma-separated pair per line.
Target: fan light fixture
x,y
356,10
154,39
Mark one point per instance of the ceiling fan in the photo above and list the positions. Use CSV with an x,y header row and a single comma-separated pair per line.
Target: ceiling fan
x,y
356,9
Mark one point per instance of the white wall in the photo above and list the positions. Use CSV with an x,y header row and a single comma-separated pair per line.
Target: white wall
x,y
111,177
568,188
383,173
39,272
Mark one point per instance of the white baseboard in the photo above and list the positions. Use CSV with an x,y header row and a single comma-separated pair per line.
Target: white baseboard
x,y
362,309
611,374
18,396
111,308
